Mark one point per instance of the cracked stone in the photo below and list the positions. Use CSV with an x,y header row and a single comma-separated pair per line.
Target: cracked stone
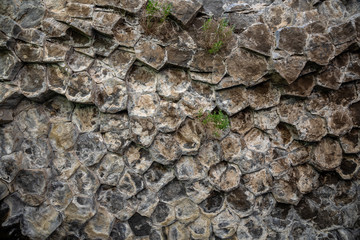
x,y
251,228
301,87
57,77
327,155
66,163
143,105
187,169
121,62
339,122
84,181
105,21
209,154
79,62
32,194
291,39
140,225
298,153
59,194
54,52
189,137
172,83
286,192
257,38
143,130
163,214
53,28
242,122
116,203
200,228
185,10
10,95
350,142
111,96
311,128
169,117
348,167
246,67
225,224
139,159
207,68
225,176
4,191
90,148
251,161
177,230
342,33
16,209
256,140
263,96
99,226
10,166
331,77
180,57
79,10
33,85
232,147
266,119
165,149
130,184
117,141
187,211
213,204
148,201
86,118
29,53
131,6
354,110
192,102
319,49
173,193
121,230
241,201
258,182
151,53
9,65
306,178
158,176
232,100
290,67
142,80
198,191
36,153
110,169
63,135
80,88
290,111
39,223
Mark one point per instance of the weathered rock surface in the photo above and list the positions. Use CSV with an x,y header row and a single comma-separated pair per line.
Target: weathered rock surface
x,y
101,132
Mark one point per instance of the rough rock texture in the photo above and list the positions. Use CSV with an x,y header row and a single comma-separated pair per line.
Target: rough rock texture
x,y
102,131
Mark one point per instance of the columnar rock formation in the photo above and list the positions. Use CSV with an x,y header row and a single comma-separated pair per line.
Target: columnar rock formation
x,y
100,136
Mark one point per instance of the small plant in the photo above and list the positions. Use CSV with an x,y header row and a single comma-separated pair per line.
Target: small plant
x,y
217,33
219,120
155,11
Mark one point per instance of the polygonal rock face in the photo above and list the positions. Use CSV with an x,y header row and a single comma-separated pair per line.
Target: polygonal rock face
x,y
266,119
209,154
189,137
225,177
246,67
140,225
188,169
130,184
65,163
104,45
200,228
104,21
54,52
120,62
185,10
307,178
142,80
168,117
290,67
225,224
78,61
256,140
84,181
158,176
163,214
350,142
251,228
232,100
29,53
319,49
138,158
187,211
172,83
9,65
207,68
241,201
348,168
59,194
143,105
80,210
126,34
342,33
327,154
86,118
9,95
63,135
80,88
331,77
242,122
339,122
259,182
291,39
32,194
232,147
151,54
165,149
198,191
4,191
110,169
257,38
32,79
37,153
10,165
192,103
90,148
111,96
302,87
286,192
173,193
39,223
143,130
58,77
355,113
213,205
282,135
60,109
263,96
99,226
311,128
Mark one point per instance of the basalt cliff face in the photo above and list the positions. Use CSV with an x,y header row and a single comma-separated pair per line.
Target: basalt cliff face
x,y
100,134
